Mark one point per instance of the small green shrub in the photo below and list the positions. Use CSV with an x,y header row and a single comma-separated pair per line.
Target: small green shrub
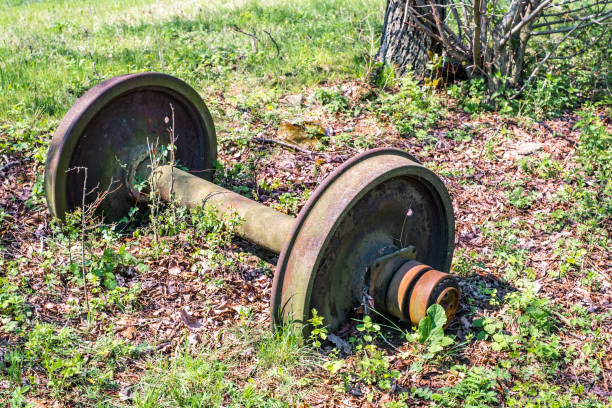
x,y
517,197
333,100
478,388
14,311
549,96
413,110
318,333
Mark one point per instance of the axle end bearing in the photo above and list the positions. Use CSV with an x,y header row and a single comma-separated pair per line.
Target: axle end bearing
x,y
415,286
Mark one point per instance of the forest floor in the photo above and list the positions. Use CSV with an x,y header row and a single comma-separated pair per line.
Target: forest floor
x,y
183,320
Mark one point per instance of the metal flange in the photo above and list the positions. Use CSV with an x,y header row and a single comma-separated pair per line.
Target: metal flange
x,y
107,130
373,204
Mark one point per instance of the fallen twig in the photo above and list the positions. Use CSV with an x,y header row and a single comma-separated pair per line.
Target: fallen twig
x,y
289,146
8,165
254,39
274,42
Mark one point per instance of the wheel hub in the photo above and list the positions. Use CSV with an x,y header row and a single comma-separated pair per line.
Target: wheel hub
x,y
138,173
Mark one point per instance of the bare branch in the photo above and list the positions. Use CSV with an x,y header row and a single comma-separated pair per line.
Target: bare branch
x,y
524,21
537,68
458,20
476,41
288,145
568,29
571,19
572,11
585,48
254,39
273,42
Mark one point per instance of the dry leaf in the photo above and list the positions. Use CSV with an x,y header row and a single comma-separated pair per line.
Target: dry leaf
x,y
305,134
190,321
128,333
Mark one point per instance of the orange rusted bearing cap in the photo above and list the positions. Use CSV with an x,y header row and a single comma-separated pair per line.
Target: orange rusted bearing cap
x,y
434,287
402,284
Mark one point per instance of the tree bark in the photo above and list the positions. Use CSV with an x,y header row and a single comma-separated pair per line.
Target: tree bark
x,y
403,44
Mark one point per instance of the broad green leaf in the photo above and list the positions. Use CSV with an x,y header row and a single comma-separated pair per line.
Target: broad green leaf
x,y
438,315
334,366
425,328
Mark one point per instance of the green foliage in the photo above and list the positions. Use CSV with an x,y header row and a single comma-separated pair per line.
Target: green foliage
x,y
478,388
355,141
369,329
413,110
371,364
549,96
185,381
530,395
518,198
594,149
204,378
571,253
104,266
197,42
14,311
490,328
288,203
545,97
57,352
386,77
471,95
507,254
333,100
543,167
431,330
219,231
535,315
282,348
66,359
527,326
430,334
318,332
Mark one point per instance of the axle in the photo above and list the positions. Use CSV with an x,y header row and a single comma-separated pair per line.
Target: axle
x,y
260,224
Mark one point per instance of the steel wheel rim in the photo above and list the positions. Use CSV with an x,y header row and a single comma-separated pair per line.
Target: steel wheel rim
x,y
302,255
76,125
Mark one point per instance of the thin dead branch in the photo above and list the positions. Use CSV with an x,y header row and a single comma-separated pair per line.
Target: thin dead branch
x,y
254,38
288,145
273,42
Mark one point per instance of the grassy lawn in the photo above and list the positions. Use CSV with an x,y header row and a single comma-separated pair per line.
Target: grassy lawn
x,y
184,320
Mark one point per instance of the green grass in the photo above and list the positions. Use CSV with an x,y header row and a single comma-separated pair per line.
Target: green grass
x,y
51,52
203,378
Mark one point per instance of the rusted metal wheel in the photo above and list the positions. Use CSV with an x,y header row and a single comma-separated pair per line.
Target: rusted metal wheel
x,y
107,130
376,203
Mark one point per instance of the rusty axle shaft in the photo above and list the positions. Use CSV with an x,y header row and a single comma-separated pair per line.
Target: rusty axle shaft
x,y
261,225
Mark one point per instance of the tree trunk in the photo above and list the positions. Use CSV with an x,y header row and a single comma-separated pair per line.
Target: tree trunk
x,y
403,45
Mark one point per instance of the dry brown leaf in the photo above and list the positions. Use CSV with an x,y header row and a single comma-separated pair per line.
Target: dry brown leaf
x,y
128,333
190,321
